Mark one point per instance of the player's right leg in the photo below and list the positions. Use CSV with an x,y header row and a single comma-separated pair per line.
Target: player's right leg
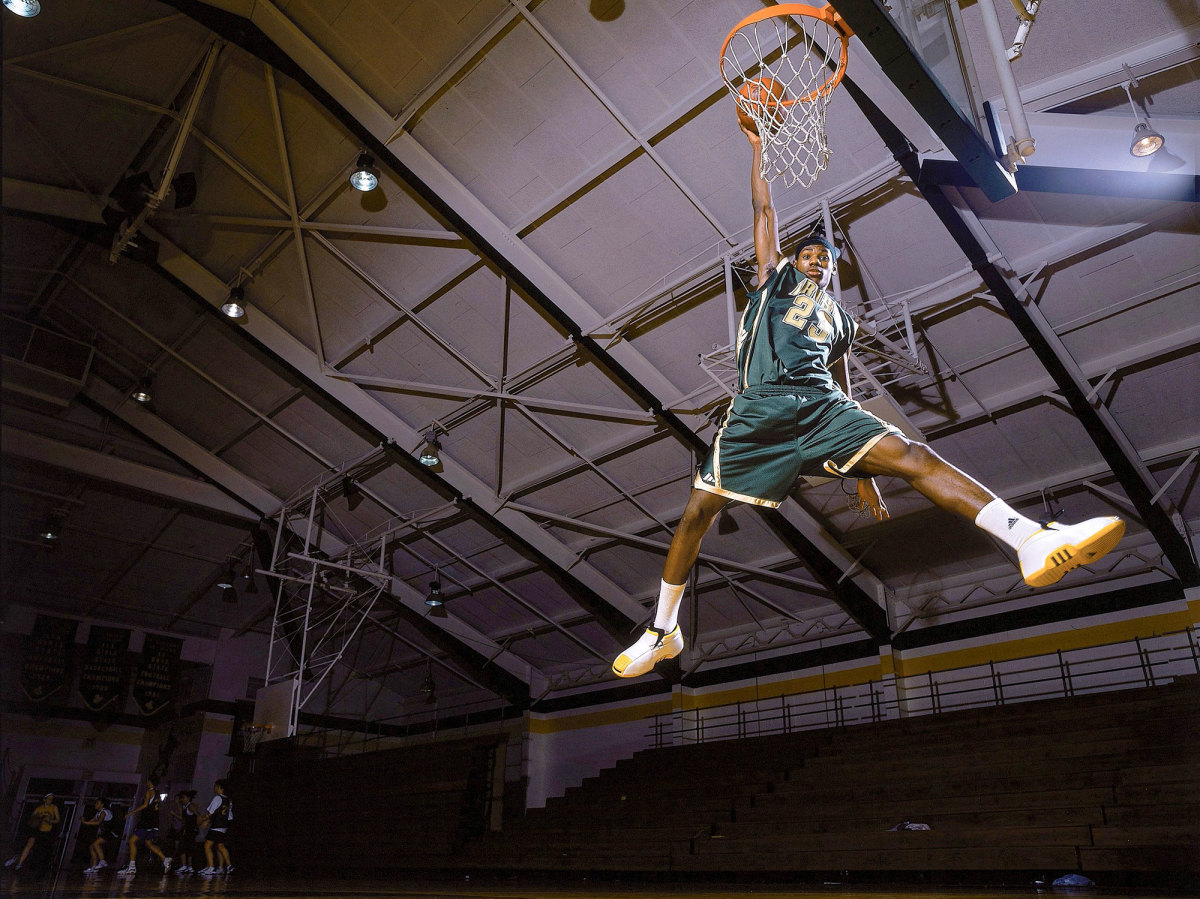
x,y
1045,551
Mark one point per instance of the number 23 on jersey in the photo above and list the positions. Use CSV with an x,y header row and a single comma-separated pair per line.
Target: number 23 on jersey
x,y
810,316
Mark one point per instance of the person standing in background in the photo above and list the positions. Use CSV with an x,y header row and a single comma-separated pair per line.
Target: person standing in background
x,y
219,817
40,829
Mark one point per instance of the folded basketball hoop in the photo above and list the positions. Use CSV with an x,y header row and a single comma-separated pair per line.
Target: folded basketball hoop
x,y
781,64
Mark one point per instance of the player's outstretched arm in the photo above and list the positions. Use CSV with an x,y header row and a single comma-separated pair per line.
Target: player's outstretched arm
x,y
766,231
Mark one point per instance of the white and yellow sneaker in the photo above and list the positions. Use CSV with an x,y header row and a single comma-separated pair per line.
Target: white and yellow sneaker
x,y
1057,548
650,649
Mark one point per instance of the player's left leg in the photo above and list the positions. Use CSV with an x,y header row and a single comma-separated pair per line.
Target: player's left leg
x,y
663,639
1045,551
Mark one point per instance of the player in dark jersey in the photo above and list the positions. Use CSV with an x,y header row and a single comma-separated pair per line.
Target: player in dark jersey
x,y
793,416
145,829
189,830
102,820
219,818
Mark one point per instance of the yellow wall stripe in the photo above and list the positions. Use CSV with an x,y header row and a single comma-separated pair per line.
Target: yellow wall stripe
x,y
889,663
620,715
807,684
1044,644
65,730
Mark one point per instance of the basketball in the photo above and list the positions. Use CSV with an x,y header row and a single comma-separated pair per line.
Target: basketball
x,y
759,99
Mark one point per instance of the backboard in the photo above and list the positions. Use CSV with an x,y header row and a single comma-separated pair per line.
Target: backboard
x,y
918,48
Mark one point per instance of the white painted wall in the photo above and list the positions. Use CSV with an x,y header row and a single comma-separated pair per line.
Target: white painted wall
x,y
561,759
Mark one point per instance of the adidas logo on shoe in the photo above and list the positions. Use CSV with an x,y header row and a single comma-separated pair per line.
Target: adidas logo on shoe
x,y
650,649
1057,548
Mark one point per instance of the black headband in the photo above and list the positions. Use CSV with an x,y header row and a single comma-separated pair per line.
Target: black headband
x,y
821,241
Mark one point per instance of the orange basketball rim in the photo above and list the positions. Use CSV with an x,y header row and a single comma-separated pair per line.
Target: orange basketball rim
x,y
780,12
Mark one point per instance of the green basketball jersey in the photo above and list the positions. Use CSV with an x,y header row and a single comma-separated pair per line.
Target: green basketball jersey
x,y
791,330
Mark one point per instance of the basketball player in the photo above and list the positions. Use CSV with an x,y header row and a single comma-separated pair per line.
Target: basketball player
x,y
792,416
189,831
102,820
40,831
145,829
219,817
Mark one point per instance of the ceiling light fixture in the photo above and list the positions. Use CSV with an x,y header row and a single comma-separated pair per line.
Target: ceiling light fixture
x,y
434,599
352,493
431,452
428,687
235,305
248,577
437,606
225,584
1146,141
52,530
365,176
144,392
26,9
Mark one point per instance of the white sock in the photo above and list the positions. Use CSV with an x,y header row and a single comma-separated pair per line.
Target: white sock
x,y
1005,523
666,613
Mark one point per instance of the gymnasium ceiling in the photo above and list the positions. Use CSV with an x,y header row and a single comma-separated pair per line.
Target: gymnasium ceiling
x,y
541,279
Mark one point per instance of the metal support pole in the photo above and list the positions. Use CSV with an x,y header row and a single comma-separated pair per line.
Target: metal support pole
x,y
126,234
298,679
1022,144
827,221
730,305
278,592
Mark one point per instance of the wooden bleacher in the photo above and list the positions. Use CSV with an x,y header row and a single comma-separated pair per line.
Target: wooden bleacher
x,y
1099,783
399,809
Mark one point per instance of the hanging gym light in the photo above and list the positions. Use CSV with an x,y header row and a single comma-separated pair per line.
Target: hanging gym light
x,y
144,392
225,584
235,305
431,452
428,687
434,599
352,493
365,176
1146,141
26,9
52,530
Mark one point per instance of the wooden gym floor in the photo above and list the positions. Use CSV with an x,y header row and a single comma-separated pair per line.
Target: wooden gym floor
x,y
76,886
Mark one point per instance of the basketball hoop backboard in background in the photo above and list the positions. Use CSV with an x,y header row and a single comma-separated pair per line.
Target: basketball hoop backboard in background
x,y
913,46
273,706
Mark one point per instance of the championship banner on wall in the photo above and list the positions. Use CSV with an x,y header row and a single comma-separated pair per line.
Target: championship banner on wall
x,y
48,657
157,673
102,678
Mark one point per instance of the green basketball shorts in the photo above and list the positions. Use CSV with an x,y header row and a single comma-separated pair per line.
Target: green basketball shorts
x,y
772,435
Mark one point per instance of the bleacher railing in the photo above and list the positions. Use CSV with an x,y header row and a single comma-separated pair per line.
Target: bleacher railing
x,y
1124,665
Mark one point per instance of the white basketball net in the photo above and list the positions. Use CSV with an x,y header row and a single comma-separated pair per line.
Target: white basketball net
x,y
800,53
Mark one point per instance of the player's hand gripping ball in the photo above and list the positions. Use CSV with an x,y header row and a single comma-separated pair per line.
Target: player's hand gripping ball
x,y
760,99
